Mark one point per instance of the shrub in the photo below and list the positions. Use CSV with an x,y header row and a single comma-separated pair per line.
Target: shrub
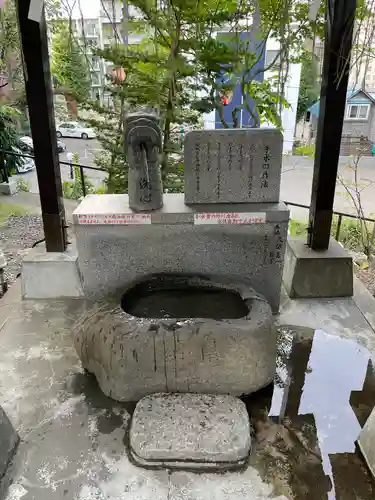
x,y
350,232
305,150
73,190
23,185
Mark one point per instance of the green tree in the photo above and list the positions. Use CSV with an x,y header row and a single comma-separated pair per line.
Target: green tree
x,y
8,139
12,83
177,68
69,66
309,89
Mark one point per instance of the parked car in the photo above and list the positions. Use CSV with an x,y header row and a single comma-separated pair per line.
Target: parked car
x,y
27,145
75,129
24,164
61,146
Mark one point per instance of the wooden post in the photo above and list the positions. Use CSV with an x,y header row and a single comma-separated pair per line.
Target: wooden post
x,y
40,102
337,50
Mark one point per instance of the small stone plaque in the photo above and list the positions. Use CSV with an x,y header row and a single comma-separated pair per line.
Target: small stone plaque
x,y
233,166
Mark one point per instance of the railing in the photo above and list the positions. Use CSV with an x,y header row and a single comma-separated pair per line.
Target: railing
x,y
72,165
339,220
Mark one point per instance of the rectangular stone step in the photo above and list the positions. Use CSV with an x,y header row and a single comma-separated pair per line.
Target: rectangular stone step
x,y
190,431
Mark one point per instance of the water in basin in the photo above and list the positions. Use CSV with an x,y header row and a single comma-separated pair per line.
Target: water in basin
x,y
178,298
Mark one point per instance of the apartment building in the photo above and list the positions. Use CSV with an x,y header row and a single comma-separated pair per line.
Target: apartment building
x,y
362,71
89,35
108,28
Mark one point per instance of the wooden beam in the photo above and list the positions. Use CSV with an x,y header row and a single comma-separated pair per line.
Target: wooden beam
x,y
337,50
40,103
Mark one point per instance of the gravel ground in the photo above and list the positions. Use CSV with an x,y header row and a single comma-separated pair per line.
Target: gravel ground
x,y
17,236
367,276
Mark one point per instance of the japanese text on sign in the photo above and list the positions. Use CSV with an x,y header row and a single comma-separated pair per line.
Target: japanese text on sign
x,y
229,218
114,219
276,254
265,167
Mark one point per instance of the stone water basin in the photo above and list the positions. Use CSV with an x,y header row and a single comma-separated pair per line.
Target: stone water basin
x,y
179,333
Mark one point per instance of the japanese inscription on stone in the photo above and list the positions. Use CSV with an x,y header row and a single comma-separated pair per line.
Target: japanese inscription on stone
x,y
233,166
229,218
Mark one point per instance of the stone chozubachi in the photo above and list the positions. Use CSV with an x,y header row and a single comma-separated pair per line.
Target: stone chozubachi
x,y
135,356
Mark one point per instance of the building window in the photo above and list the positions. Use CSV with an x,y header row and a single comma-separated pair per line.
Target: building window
x,y
91,28
95,79
95,63
357,111
272,56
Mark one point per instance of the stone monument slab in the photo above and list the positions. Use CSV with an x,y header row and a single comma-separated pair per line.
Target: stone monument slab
x,y
193,431
233,166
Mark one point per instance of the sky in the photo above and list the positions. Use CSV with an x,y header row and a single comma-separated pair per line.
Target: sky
x,y
90,8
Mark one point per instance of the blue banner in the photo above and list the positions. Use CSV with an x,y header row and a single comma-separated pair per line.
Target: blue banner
x,y
244,118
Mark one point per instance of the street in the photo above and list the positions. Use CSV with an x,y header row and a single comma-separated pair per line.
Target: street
x,y
296,178
86,150
296,182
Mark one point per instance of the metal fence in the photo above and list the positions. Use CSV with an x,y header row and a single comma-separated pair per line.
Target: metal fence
x,y
340,216
81,168
72,165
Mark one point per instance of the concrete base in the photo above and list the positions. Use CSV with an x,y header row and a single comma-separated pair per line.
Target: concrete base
x,y
310,274
366,442
117,246
8,442
194,431
8,188
51,275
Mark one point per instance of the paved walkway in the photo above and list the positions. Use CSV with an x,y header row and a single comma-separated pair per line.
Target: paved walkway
x,y
74,438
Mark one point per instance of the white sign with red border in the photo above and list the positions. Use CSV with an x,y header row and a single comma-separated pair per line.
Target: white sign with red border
x,y
114,219
230,218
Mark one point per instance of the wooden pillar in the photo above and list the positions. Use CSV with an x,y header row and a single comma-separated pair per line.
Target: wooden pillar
x,y
40,102
337,50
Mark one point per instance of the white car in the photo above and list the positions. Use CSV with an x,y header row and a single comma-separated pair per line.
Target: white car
x,y
27,145
25,164
28,142
75,129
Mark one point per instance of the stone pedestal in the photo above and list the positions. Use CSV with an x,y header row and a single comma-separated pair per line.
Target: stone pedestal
x,y
117,246
190,431
311,274
8,188
51,275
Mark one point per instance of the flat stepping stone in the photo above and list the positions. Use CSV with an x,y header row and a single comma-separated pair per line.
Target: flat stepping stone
x,y
190,431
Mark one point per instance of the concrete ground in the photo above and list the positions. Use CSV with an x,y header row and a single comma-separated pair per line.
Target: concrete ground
x,y
74,439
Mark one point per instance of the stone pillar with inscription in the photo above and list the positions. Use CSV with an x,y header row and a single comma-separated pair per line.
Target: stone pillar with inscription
x,y
143,143
241,168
